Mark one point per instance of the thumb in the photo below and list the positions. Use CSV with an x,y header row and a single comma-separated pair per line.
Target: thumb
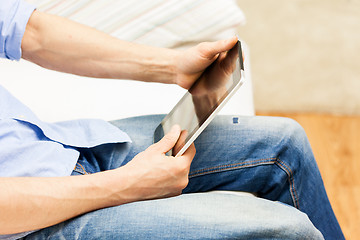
x,y
209,50
168,141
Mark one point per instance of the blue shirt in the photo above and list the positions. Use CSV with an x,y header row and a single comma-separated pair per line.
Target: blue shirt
x,y
29,146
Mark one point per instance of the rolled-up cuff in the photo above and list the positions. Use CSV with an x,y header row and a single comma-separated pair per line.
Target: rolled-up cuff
x,y
14,27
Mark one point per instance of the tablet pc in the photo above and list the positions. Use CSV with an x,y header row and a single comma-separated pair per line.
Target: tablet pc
x,y
204,99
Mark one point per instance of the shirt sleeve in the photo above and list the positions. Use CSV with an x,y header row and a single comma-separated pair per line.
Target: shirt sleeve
x,y
14,15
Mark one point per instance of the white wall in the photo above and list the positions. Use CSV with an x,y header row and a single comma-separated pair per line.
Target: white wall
x,y
305,54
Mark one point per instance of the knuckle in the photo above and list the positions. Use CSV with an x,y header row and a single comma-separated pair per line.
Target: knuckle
x,y
205,50
183,168
183,183
202,46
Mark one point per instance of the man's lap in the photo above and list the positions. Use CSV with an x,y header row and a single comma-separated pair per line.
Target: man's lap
x,y
226,145
227,152
225,132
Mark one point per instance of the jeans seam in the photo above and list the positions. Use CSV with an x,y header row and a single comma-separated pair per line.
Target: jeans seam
x,y
231,166
82,170
266,161
290,174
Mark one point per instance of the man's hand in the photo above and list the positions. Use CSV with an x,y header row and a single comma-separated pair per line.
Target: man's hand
x,y
152,174
192,62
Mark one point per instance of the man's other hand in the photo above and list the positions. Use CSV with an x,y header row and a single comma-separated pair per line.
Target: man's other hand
x,y
192,62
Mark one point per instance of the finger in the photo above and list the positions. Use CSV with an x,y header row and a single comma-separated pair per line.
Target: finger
x,y
227,44
168,141
189,154
228,63
210,50
181,142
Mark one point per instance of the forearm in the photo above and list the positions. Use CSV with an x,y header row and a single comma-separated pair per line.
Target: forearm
x,y
33,203
60,44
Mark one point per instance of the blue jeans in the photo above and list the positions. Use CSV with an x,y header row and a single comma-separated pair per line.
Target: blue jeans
x,y
270,157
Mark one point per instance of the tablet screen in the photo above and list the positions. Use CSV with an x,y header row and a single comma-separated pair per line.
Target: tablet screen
x,y
204,99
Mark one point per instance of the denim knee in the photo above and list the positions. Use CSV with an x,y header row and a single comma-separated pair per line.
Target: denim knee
x,y
292,141
287,129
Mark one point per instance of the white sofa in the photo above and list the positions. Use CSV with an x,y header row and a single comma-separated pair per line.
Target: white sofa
x,y
55,96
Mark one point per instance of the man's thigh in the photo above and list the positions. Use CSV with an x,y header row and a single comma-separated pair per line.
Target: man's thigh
x,y
212,215
226,133
232,153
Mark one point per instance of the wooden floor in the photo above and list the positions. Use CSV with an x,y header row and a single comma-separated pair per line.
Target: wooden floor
x,y
336,144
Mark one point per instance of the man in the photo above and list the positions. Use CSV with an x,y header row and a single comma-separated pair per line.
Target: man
x,y
106,200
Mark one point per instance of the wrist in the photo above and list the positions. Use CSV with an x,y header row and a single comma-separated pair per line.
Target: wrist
x,y
116,187
164,66
108,187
